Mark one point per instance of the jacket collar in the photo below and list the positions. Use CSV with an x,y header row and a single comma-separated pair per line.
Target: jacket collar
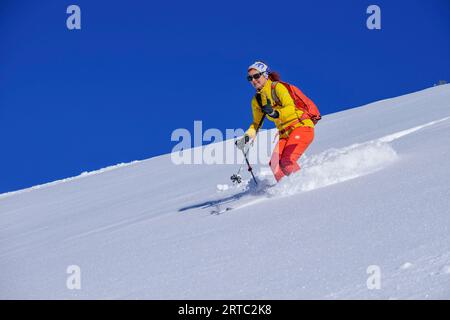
x,y
266,88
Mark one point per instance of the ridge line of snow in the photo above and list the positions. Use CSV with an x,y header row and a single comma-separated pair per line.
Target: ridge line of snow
x,y
381,101
81,175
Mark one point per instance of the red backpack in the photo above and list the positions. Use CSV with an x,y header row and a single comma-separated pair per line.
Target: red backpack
x,y
302,102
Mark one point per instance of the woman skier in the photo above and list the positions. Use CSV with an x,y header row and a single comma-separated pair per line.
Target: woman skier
x,y
295,128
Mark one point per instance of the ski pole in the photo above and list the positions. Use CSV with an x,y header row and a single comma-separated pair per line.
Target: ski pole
x,y
235,177
249,167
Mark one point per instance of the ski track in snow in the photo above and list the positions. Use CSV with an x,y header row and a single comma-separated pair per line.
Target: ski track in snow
x,y
338,165
318,171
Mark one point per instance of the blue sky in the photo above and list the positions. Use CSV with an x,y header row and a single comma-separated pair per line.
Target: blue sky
x,y
80,100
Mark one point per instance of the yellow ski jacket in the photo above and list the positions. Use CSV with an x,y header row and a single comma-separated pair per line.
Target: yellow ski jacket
x,y
289,114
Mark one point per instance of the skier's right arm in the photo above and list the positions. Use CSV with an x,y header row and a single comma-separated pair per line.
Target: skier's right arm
x,y
257,116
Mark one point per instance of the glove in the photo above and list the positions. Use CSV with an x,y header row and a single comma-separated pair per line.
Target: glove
x,y
240,144
267,109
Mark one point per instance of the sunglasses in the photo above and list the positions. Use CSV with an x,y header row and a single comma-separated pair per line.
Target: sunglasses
x,y
256,76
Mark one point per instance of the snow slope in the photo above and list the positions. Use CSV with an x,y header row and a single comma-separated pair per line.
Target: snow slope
x,y
374,190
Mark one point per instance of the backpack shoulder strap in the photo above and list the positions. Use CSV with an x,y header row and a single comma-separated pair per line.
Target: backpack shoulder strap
x,y
258,99
274,93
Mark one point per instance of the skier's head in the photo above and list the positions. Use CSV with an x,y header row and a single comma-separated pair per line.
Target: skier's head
x,y
257,74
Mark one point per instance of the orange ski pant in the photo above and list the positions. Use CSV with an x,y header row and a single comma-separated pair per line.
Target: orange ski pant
x,y
288,150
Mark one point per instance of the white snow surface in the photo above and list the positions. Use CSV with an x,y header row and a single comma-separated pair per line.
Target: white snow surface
x,y
374,190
